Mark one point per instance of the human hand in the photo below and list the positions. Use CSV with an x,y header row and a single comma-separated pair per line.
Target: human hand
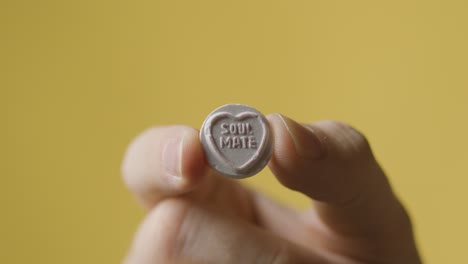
x,y
197,216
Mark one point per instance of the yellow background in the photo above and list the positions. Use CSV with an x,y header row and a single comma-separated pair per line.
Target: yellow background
x,y
79,79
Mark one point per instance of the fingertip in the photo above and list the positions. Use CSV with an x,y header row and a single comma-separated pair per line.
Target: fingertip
x,y
306,143
193,166
284,148
296,147
162,162
135,164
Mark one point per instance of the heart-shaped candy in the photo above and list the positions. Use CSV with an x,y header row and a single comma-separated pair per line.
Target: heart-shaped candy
x,y
237,140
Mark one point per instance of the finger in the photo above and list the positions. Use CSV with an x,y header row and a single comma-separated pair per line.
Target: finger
x,y
333,164
168,161
178,231
162,162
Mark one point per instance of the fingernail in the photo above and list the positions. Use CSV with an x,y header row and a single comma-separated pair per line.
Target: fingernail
x,y
172,155
306,142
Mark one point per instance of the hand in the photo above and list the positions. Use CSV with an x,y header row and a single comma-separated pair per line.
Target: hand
x,y
197,216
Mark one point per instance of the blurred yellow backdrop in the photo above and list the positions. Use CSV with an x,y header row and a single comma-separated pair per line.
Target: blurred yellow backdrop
x,y
79,79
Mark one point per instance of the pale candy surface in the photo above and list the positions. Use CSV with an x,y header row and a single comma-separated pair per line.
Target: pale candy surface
x,y
236,140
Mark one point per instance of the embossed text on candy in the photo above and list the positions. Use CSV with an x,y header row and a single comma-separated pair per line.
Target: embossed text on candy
x,y
236,140
237,136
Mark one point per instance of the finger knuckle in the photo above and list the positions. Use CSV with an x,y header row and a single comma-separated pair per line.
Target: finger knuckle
x,y
165,223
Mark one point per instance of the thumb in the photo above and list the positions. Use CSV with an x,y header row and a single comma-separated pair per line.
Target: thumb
x,y
333,164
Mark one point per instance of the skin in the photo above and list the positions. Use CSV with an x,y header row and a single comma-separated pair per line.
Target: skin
x,y
197,216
